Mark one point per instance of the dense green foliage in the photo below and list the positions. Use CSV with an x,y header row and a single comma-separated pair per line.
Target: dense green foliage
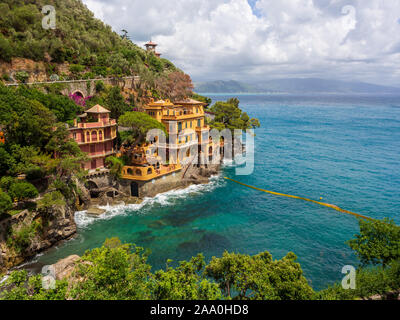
x,y
90,46
259,277
63,108
377,243
115,165
37,145
121,271
5,202
22,191
51,199
20,239
112,99
229,115
139,124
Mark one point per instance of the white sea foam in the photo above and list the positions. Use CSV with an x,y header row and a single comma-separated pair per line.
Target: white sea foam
x,y
83,220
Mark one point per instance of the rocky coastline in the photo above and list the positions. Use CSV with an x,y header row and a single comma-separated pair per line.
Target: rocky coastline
x,y
57,224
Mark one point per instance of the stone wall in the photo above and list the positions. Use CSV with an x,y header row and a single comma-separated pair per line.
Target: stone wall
x,y
178,180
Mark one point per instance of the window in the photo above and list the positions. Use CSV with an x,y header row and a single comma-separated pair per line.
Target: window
x,y
179,126
199,123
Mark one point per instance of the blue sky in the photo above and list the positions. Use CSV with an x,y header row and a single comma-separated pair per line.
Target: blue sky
x,y
255,40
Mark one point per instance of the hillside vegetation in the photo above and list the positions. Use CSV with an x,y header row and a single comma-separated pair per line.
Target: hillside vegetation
x,y
86,44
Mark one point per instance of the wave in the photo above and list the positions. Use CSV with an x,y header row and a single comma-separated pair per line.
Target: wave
x,y
83,220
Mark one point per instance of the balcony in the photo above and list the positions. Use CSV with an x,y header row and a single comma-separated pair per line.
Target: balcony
x,y
148,173
94,125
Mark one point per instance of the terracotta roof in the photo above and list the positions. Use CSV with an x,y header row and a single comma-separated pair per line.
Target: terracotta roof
x,y
98,109
151,43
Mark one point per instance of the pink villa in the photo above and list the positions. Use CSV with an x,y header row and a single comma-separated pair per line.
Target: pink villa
x,y
96,135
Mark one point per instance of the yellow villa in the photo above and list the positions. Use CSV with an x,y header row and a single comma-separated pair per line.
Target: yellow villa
x,y
186,127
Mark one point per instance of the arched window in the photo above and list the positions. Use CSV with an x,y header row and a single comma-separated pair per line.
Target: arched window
x,y
149,171
94,135
88,136
138,172
130,171
100,135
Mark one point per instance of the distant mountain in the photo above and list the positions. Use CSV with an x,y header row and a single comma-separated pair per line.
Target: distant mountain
x,y
221,86
294,85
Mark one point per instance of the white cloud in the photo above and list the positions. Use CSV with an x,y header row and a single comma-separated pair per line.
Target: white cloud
x,y
224,39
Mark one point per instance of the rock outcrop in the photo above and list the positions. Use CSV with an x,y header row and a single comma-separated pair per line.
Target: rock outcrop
x,y
64,268
30,232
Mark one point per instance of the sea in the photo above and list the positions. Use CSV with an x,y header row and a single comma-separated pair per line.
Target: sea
x,y
339,149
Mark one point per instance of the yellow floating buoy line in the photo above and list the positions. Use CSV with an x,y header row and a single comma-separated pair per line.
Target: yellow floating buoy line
x,y
332,206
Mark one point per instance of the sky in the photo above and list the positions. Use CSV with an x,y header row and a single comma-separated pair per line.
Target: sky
x,y
256,40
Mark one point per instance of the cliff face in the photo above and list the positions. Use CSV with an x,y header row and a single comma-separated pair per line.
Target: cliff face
x,y
30,232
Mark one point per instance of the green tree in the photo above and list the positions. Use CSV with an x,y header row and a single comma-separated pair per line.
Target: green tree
x,y
6,182
139,124
50,200
229,115
255,123
115,271
5,203
185,283
23,191
377,243
6,161
115,102
6,50
259,277
115,165
22,76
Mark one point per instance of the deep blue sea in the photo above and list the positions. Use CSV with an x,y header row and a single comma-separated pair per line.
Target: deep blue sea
x,y
345,149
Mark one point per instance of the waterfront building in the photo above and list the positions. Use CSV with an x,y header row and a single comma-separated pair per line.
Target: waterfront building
x,y
151,47
187,129
96,135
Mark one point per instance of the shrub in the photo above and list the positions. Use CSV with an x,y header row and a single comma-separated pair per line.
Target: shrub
x,y
51,199
115,165
21,239
35,173
6,51
23,191
22,76
6,182
6,77
5,202
100,86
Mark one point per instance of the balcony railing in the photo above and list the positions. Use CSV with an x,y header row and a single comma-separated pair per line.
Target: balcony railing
x,y
148,173
100,124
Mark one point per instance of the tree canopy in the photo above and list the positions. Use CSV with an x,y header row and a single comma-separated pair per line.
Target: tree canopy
x,y
377,243
229,115
139,124
121,271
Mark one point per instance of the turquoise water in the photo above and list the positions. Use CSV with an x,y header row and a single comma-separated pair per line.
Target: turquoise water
x,y
344,149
